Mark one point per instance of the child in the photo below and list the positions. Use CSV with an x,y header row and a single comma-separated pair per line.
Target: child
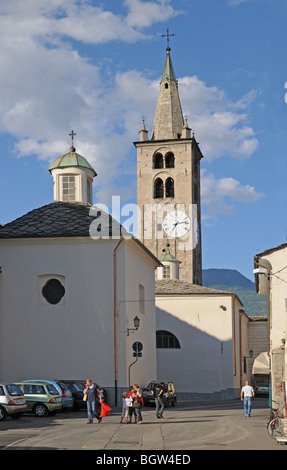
x,y
125,407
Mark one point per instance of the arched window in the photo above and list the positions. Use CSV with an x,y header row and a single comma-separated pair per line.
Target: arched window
x,y
158,188
169,160
166,340
158,160
169,187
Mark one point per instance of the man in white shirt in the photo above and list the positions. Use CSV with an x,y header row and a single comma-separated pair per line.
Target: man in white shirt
x,y
247,392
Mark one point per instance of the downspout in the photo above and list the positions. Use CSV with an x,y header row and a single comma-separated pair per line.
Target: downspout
x,y
240,347
234,329
115,325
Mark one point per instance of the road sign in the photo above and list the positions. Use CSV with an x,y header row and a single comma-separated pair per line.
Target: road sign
x,y
137,347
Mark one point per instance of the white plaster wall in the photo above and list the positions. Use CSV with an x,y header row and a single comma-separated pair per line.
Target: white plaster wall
x,y
278,294
73,339
139,273
207,360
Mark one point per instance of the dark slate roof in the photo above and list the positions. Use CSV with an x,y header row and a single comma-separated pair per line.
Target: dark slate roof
x,y
177,287
59,219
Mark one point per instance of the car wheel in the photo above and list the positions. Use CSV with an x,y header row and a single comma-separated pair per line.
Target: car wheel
x,y
3,414
40,410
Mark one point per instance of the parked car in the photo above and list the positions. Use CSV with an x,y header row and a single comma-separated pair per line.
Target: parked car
x,y
76,387
64,392
262,390
42,398
169,393
12,401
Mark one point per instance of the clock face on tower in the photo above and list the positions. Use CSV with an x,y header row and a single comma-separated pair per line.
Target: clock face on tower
x,y
176,224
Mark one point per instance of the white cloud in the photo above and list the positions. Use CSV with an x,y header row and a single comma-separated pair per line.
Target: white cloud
x,y
143,14
57,20
47,88
219,124
219,195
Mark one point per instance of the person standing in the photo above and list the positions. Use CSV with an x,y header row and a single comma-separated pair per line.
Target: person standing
x,y
138,403
126,403
93,398
247,393
159,400
132,411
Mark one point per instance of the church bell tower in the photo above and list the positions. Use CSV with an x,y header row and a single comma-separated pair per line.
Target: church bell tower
x,y
168,182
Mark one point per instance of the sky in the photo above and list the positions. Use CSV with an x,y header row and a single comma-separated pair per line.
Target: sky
x,y
94,67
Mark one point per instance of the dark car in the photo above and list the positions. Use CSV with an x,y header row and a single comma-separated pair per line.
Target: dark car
x,y
169,393
77,387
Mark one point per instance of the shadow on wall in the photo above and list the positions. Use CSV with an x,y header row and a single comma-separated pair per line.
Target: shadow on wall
x,y
201,368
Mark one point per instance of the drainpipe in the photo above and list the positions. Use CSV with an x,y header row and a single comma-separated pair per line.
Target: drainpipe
x,y
115,325
240,346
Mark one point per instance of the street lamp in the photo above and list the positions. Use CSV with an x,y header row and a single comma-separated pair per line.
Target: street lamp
x,y
136,325
250,354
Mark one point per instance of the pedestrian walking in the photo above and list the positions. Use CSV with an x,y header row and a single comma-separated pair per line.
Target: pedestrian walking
x,y
159,400
138,403
94,397
132,412
247,393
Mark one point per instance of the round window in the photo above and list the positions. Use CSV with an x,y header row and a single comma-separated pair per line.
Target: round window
x,y
53,291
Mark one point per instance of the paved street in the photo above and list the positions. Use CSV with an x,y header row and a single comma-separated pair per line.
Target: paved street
x,y
196,426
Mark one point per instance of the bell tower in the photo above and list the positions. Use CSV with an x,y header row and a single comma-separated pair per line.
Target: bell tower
x,y
168,182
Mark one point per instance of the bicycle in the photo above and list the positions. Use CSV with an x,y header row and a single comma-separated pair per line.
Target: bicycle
x,y
275,426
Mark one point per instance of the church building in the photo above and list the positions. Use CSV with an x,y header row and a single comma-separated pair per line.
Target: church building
x,y
69,295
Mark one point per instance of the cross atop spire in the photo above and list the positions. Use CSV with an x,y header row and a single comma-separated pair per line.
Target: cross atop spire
x,y
167,36
72,135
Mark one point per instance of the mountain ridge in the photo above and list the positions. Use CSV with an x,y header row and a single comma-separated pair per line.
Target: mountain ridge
x,y
233,281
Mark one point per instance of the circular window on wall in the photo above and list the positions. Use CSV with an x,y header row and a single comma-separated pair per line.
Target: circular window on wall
x,y
53,291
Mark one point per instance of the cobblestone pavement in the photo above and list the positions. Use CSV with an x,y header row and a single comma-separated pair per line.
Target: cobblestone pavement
x,y
185,427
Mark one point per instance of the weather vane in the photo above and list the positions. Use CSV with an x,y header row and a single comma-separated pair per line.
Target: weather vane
x,y
72,135
167,36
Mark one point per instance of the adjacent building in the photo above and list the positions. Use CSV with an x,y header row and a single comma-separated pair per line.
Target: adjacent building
x,y
270,269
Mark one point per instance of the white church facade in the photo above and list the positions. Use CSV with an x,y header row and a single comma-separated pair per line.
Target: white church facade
x,y
67,298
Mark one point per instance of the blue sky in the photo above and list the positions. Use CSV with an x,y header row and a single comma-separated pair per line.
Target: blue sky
x,y
94,67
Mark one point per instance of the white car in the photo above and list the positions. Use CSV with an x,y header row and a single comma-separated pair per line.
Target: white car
x,y
12,401
261,389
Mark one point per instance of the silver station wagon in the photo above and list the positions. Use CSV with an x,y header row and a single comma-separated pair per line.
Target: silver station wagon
x,y
12,401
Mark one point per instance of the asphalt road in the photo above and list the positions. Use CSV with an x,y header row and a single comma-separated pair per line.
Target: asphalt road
x,y
185,427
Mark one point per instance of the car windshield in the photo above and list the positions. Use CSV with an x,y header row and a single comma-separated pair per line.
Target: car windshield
x,y
152,385
63,386
13,390
76,387
51,389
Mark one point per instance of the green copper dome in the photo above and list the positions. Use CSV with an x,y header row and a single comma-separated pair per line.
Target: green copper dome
x,y
71,159
167,256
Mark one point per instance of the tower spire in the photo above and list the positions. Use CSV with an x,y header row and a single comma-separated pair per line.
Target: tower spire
x,y
168,119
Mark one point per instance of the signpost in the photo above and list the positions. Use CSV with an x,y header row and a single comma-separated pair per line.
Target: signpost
x,y
137,348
